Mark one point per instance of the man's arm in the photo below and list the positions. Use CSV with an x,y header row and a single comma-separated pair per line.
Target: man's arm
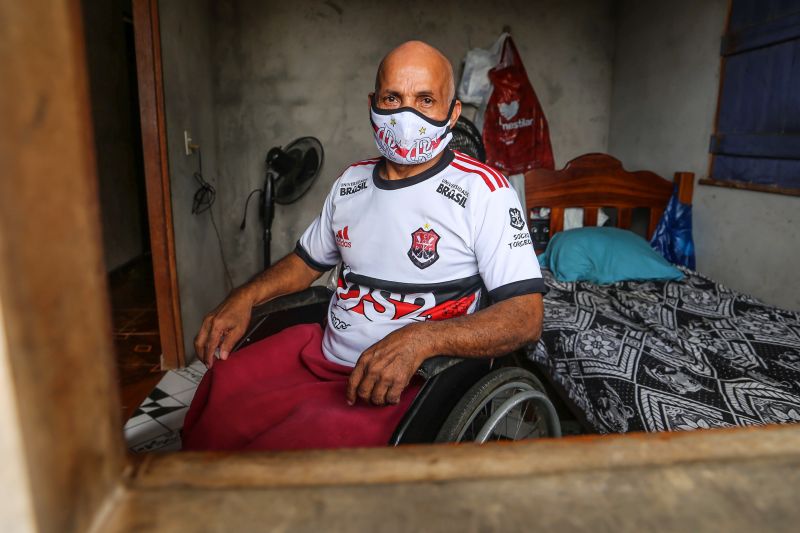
x,y
386,368
226,324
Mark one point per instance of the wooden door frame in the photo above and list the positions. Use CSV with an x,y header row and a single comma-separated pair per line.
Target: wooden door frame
x,y
157,180
53,280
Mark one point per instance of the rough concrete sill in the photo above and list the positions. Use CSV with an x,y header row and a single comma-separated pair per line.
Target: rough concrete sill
x,y
731,480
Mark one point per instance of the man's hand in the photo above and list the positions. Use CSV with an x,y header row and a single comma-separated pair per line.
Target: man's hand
x,y
222,327
386,367
226,324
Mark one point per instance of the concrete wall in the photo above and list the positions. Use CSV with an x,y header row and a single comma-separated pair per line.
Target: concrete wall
x,y
288,69
186,49
666,76
115,132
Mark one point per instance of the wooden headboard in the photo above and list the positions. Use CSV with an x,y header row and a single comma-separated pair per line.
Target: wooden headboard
x,y
592,181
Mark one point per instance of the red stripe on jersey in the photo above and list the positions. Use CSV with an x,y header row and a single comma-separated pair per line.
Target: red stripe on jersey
x,y
366,162
504,178
483,171
484,166
475,171
498,177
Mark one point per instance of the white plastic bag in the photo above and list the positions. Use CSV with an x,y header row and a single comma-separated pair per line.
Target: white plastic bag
x,y
475,87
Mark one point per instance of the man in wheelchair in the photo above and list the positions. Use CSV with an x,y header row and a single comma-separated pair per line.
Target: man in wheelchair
x,y
422,233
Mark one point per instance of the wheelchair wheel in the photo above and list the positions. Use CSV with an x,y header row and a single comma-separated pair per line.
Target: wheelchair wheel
x,y
509,403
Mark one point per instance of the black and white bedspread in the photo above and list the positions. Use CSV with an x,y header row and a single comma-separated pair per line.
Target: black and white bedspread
x,y
676,355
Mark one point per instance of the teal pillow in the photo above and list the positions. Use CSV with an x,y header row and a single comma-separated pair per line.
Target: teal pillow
x,y
604,255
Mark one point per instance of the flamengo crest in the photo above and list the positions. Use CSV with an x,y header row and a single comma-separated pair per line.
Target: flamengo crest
x,y
423,251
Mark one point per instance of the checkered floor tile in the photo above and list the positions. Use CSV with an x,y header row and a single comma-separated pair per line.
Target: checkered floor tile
x,y
156,424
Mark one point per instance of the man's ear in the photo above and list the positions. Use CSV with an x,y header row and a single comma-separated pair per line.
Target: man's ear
x,y
456,114
369,100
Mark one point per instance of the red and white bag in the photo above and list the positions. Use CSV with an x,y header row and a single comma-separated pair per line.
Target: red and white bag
x,y
515,131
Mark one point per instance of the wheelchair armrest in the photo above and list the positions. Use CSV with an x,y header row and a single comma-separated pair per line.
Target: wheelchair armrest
x,y
300,307
309,296
437,365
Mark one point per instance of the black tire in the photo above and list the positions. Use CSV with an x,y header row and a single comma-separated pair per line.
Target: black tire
x,y
480,394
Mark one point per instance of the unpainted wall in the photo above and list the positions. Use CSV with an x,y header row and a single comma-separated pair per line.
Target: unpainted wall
x,y
186,51
666,77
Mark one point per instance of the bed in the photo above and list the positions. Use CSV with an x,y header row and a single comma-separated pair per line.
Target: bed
x,y
657,355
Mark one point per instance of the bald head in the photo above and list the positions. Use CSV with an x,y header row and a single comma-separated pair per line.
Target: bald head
x,y
416,56
417,75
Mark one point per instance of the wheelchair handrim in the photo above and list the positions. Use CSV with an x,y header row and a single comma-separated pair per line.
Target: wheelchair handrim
x,y
526,396
522,386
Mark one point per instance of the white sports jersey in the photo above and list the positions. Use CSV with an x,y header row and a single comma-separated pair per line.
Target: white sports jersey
x,y
420,248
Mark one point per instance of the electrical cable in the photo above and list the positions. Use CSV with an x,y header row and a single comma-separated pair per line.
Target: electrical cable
x,y
228,277
205,195
247,203
202,201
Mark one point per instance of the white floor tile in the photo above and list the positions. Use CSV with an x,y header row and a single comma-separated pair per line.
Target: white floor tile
x,y
169,401
185,397
193,372
198,365
136,420
173,420
170,441
173,383
173,445
144,432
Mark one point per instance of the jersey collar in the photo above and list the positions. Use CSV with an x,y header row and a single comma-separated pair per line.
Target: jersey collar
x,y
383,183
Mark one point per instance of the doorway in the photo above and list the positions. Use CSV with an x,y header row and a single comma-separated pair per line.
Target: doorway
x,y
133,193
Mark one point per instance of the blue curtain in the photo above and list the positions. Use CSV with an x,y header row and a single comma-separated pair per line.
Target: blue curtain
x,y
673,235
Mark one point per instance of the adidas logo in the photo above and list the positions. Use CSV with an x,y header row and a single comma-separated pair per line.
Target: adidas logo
x,y
342,239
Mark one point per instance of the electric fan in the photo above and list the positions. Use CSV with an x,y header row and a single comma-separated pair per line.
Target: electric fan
x,y
467,139
290,171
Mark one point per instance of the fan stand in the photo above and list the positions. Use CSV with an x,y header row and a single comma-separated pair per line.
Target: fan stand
x,y
280,165
281,162
269,216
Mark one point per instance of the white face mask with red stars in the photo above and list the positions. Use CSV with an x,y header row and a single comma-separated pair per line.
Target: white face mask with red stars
x,y
407,137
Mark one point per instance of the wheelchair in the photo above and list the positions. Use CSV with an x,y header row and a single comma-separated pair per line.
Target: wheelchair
x,y
460,400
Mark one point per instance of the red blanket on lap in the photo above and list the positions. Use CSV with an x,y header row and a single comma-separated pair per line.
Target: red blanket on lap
x,y
281,393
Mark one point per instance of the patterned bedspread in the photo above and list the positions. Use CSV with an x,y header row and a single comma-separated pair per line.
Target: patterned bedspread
x,y
676,355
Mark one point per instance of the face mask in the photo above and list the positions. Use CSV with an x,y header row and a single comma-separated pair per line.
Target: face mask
x,y
407,137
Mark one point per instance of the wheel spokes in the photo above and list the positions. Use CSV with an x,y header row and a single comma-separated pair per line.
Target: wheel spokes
x,y
510,408
521,418
482,414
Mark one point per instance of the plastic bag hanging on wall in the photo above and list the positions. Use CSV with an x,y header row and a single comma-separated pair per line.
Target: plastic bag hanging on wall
x,y
673,235
475,87
515,130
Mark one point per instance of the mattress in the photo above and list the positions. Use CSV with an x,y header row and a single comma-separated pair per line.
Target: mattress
x,y
669,355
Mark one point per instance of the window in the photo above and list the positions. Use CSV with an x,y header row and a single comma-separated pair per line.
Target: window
x,y
756,144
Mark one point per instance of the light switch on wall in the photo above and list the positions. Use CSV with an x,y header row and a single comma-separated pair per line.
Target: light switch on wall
x,y
187,143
